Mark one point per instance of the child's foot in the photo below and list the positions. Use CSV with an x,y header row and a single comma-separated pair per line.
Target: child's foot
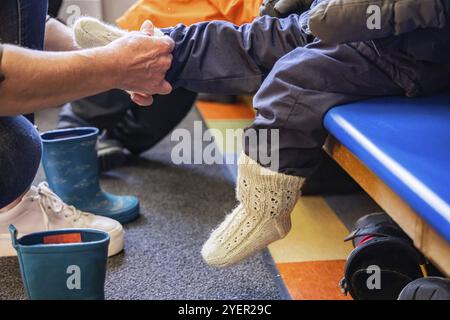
x,y
262,217
90,33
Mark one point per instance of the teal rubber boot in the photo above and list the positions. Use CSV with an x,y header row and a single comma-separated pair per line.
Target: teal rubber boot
x,y
67,264
70,164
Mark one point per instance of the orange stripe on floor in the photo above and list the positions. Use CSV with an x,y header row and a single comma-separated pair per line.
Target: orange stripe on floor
x,y
219,111
313,280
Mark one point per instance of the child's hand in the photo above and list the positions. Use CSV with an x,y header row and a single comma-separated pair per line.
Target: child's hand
x,y
283,8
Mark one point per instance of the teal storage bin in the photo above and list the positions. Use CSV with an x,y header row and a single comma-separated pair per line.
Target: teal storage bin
x,y
67,264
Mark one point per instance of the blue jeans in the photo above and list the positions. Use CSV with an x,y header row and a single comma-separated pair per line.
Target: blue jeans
x,y
20,155
22,23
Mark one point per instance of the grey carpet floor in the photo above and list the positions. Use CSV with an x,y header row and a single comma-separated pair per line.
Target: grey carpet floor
x,y
180,205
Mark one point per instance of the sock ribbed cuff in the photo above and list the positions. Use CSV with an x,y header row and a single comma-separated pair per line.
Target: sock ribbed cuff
x,y
266,191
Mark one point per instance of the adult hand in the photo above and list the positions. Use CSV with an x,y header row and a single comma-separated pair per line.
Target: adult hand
x,y
142,61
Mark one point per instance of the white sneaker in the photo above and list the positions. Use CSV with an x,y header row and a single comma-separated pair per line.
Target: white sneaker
x,y
90,33
41,210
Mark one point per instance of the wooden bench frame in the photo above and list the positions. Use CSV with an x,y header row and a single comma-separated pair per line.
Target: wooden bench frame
x,y
428,241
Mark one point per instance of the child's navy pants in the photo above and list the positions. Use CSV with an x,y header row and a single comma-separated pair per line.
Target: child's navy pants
x,y
296,77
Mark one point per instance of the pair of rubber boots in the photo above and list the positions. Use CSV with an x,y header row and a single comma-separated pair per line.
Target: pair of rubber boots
x,y
70,163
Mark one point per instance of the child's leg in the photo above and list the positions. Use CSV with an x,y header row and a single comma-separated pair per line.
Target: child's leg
x,y
302,87
217,56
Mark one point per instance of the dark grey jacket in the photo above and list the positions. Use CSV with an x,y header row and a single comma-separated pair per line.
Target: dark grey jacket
x,y
343,21
415,36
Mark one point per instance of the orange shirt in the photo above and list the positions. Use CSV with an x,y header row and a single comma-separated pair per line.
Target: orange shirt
x,y
167,13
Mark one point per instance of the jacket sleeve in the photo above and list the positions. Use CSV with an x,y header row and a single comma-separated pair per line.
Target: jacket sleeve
x,y
342,21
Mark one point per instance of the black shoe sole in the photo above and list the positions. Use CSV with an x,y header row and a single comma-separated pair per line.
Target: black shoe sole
x,y
110,159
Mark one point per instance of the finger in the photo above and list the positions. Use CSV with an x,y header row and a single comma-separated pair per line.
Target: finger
x,y
143,95
148,28
165,88
165,62
142,102
138,93
142,99
165,44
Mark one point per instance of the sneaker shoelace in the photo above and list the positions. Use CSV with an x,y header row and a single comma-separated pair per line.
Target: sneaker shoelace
x,y
48,200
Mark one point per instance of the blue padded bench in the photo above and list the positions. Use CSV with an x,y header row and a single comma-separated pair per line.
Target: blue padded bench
x,y
405,144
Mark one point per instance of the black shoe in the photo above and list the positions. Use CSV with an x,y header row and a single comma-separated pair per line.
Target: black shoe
x,y
430,288
110,153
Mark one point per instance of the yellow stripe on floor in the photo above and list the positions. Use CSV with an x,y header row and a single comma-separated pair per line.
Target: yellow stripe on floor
x,y
317,234
311,258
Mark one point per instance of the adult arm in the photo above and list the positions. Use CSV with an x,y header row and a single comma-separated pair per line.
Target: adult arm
x,y
59,37
35,80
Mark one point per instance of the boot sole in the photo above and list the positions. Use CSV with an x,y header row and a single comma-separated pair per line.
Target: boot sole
x,y
123,217
116,243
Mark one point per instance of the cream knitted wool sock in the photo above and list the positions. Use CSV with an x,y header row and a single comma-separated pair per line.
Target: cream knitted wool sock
x,y
90,33
262,217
